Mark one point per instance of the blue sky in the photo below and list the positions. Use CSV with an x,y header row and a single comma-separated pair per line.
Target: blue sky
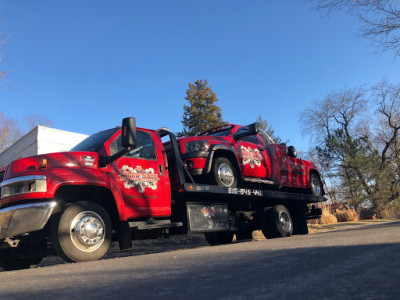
x,y
88,64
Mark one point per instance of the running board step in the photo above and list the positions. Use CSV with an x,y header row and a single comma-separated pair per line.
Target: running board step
x,y
258,180
141,225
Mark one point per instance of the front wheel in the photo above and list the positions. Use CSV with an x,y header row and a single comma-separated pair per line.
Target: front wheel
x,y
82,232
223,173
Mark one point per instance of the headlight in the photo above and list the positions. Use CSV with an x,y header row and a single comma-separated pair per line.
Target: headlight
x,y
196,146
21,185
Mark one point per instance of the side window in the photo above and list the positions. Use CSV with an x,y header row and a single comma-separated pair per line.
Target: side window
x,y
250,139
264,139
144,149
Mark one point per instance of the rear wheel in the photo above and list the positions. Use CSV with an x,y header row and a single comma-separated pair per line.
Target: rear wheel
x,y
277,222
82,232
219,238
223,173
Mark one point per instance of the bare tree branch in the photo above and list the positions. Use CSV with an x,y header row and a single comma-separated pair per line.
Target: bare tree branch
x,y
34,120
10,132
380,19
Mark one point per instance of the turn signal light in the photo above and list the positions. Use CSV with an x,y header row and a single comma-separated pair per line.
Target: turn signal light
x,y
42,163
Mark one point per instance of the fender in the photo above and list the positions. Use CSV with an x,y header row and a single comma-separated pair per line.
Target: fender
x,y
95,178
119,200
210,157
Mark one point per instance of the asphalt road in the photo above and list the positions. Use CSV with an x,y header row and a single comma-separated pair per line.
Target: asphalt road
x,y
357,263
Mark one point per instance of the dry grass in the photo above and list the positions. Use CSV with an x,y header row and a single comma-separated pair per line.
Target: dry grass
x,y
326,218
347,215
333,214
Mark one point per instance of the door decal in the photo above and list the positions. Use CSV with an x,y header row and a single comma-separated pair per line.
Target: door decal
x,y
251,156
139,177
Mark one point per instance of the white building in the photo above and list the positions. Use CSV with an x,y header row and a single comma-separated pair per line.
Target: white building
x,y
41,140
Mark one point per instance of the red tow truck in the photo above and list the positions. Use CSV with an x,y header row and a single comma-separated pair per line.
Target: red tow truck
x,y
122,183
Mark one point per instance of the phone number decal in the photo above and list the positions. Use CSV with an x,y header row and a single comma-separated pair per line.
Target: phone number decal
x,y
248,192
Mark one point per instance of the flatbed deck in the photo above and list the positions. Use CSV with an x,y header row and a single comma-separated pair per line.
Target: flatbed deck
x,y
204,190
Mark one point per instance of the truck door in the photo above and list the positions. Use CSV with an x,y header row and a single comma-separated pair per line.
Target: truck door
x,y
142,177
291,169
297,171
252,159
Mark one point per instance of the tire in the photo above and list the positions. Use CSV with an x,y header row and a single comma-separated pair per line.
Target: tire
x,y
277,222
91,241
219,238
25,256
223,173
316,185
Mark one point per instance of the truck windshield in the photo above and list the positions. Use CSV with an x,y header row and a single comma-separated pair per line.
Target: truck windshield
x,y
220,131
95,141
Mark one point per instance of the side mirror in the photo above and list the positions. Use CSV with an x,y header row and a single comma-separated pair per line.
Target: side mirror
x,y
291,151
253,128
128,134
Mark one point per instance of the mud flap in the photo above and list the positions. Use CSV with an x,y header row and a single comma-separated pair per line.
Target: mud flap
x,y
207,217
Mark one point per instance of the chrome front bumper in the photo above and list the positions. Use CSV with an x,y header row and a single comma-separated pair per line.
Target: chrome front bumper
x,y
25,218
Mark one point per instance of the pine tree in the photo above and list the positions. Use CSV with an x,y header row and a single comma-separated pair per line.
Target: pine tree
x,y
202,113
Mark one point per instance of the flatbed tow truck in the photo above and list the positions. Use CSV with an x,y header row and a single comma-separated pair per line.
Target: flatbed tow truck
x,y
125,183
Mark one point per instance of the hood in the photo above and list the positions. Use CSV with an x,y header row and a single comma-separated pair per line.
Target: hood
x,y
83,159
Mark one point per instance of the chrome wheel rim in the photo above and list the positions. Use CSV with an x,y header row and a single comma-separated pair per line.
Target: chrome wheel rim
x,y
316,187
87,231
225,174
285,222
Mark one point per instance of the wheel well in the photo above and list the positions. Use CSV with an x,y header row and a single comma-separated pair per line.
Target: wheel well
x,y
231,156
312,171
73,193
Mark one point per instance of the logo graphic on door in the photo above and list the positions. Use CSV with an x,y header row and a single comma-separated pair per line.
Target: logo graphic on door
x,y
251,156
139,177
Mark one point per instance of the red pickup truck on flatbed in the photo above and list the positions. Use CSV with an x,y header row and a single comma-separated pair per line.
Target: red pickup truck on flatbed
x,y
122,181
233,155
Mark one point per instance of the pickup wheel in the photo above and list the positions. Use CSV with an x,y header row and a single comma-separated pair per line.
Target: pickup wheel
x,y
316,185
82,232
219,238
223,173
277,222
